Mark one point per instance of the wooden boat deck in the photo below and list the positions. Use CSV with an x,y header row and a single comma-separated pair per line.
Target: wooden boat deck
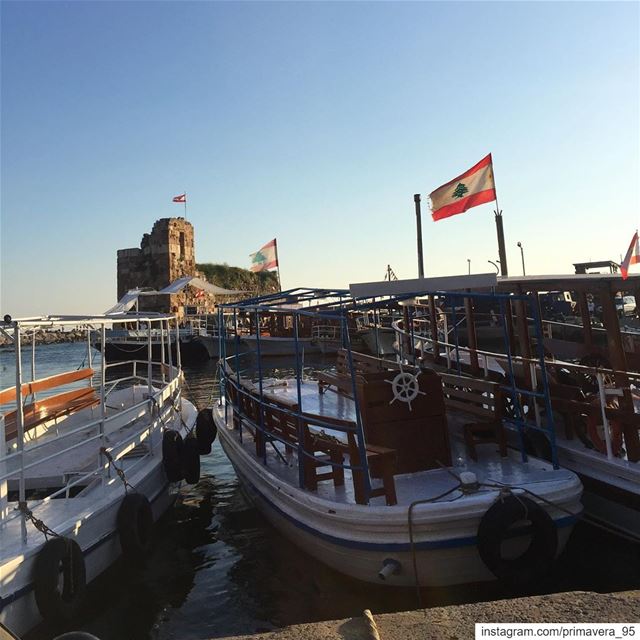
x,y
490,467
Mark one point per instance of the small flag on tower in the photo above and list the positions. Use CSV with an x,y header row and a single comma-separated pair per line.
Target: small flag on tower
x,y
632,257
181,199
470,189
265,258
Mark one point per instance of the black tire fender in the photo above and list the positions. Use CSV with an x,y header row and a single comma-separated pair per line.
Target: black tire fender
x,y
135,527
191,460
496,526
206,431
172,455
58,602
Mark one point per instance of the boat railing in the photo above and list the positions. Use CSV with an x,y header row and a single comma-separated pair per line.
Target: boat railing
x,y
297,316
242,393
163,389
152,406
608,382
326,332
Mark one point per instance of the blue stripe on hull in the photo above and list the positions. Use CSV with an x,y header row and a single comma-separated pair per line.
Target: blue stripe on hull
x,y
377,546
16,595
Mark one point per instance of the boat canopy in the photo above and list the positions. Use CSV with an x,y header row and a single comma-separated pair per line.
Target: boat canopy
x,y
178,285
130,298
473,282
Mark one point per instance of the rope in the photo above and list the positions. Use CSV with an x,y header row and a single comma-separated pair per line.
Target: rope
x,y
411,541
372,627
117,469
38,524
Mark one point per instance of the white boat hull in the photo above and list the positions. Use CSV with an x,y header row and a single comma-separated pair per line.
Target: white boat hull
x,y
357,539
91,521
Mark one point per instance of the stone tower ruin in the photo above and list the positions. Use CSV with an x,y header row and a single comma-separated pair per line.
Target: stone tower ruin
x,y
165,254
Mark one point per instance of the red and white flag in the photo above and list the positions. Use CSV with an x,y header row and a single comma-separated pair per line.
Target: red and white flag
x,y
181,199
470,189
632,257
265,258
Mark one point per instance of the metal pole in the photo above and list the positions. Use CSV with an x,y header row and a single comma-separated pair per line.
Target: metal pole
x,y
260,426
20,428
416,200
469,265
275,244
301,451
33,361
169,354
4,499
89,358
524,273
103,403
149,362
162,361
178,355
502,251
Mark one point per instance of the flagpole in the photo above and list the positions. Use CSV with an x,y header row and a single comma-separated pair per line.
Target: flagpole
x,y
185,205
502,251
416,199
275,244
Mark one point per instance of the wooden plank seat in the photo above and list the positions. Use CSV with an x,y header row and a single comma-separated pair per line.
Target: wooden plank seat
x,y
381,460
53,407
341,379
482,399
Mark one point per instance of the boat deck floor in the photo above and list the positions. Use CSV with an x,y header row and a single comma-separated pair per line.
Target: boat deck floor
x,y
490,468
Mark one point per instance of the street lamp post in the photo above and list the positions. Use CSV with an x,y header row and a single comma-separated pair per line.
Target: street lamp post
x,y
495,265
522,256
469,265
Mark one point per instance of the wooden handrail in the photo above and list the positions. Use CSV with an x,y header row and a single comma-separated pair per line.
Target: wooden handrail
x,y
57,380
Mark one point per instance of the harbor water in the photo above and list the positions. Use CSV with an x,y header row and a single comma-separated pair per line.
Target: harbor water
x,y
218,568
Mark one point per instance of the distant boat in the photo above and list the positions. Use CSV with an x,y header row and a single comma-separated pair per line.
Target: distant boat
x,y
593,380
198,335
89,458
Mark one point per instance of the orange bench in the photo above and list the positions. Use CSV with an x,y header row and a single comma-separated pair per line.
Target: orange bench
x,y
61,404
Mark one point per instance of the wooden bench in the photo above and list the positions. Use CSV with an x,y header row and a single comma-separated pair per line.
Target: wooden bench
x,y
482,399
319,449
51,408
342,380
380,460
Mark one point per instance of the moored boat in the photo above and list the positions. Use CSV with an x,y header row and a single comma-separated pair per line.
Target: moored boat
x,y
593,382
90,457
390,473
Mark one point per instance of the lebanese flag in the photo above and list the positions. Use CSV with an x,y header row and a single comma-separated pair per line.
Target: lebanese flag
x,y
182,198
265,258
632,257
470,189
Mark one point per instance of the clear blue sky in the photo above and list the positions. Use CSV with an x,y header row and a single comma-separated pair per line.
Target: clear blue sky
x,y
315,123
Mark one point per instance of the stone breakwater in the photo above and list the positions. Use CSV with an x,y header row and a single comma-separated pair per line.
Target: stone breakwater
x,y
458,622
45,337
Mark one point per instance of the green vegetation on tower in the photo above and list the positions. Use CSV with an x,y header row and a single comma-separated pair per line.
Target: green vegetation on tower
x,y
236,278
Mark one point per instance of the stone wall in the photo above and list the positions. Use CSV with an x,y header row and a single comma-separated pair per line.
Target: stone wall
x,y
165,254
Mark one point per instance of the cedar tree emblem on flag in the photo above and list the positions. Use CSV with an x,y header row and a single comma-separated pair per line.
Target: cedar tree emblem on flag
x,y
265,258
470,189
461,189
632,257
181,199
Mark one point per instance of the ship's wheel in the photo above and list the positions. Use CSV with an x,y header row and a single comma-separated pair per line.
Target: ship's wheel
x,y
405,387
